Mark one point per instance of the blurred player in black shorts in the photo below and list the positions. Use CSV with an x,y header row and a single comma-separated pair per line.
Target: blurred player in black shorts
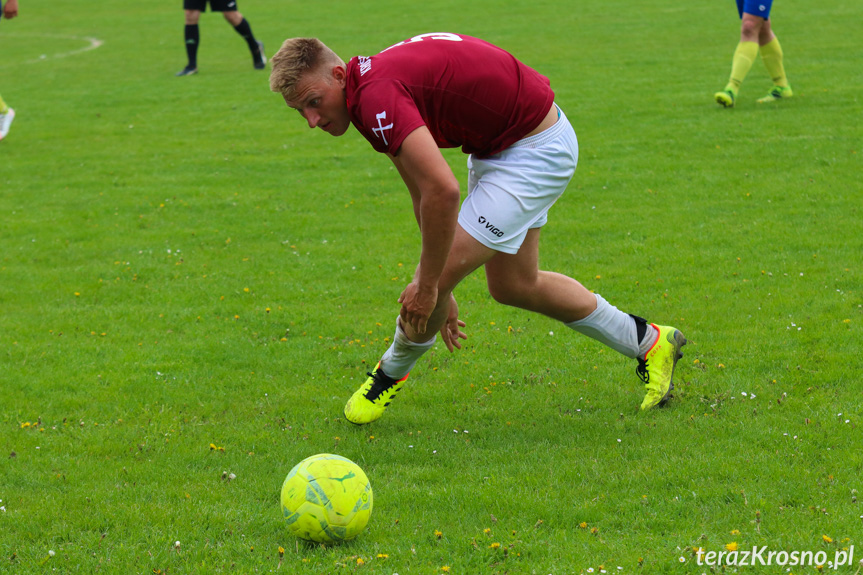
x,y
228,8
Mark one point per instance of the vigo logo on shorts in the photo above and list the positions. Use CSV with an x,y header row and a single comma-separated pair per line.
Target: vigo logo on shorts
x,y
490,227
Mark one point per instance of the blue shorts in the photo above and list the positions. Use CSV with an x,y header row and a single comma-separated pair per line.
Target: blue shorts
x,y
755,7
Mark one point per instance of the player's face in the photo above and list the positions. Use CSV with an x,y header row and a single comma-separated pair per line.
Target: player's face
x,y
320,99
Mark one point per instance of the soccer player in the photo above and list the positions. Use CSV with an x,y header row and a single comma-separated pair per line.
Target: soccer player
x,y
755,32
228,8
7,114
446,90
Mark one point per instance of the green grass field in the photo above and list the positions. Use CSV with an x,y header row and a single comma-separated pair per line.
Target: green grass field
x,y
192,284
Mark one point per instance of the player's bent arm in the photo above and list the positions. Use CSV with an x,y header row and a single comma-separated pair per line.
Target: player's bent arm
x,y
435,193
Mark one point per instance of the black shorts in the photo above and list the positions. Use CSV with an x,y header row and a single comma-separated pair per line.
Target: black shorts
x,y
215,5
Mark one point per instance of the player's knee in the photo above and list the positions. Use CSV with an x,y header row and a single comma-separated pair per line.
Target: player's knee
x,y
751,28
511,294
233,17
192,17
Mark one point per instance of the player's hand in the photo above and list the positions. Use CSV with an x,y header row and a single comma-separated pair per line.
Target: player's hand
x,y
10,9
451,330
417,305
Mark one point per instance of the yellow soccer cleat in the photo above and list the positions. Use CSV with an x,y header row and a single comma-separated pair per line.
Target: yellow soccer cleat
x,y
777,93
656,368
369,402
725,98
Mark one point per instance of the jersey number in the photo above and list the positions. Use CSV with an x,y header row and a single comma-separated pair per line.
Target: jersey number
x,y
429,36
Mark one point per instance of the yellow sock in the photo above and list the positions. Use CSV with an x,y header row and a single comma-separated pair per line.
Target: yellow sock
x,y
744,55
771,55
3,107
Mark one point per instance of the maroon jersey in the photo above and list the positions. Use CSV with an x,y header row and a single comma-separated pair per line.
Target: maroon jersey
x,y
468,93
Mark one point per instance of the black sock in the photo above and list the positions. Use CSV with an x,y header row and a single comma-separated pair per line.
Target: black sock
x,y
640,327
192,39
244,30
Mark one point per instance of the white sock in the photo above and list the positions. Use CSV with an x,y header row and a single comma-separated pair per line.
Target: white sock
x,y
403,354
614,328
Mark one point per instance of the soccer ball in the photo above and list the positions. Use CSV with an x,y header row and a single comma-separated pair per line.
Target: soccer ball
x,y
326,499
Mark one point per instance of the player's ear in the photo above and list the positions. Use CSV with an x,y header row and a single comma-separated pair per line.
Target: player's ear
x,y
339,75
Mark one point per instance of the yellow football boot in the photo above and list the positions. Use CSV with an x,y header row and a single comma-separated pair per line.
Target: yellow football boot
x,y
777,93
725,98
369,402
656,368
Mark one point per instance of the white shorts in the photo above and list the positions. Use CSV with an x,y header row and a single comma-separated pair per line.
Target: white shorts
x,y
511,192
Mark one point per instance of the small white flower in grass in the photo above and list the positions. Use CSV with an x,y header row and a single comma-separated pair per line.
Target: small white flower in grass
x,y
752,396
619,440
682,559
847,421
3,508
176,544
551,333
743,393
51,553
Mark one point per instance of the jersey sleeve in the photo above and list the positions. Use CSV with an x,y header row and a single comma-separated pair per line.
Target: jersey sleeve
x,y
385,114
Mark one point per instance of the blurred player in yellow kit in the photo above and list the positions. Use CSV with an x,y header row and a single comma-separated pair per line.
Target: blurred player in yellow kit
x,y
755,33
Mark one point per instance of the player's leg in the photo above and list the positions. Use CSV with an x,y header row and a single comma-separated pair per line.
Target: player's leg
x,y
517,189
515,280
242,27
773,58
745,52
369,402
7,114
191,34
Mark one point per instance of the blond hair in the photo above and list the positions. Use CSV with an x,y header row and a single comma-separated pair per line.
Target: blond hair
x,y
296,57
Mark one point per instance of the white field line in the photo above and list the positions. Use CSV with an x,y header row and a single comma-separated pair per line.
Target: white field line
x,y
91,44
